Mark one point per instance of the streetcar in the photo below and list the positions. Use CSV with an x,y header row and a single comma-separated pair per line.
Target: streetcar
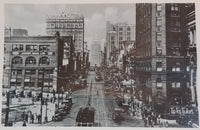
x,y
85,116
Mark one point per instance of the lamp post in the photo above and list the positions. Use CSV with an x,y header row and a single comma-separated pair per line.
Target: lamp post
x,y
7,108
42,94
46,118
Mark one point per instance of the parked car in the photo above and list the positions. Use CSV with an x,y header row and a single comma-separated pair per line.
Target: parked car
x,y
98,78
58,117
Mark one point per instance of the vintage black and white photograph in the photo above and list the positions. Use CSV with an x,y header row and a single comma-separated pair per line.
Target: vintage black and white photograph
x,y
100,65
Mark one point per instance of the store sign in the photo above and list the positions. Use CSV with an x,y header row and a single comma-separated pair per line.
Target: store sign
x,y
177,110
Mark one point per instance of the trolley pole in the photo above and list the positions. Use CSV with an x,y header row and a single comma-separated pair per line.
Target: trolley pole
x,y
7,108
42,93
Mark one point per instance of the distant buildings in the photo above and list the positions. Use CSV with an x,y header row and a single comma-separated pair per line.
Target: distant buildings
x,y
118,37
162,63
95,54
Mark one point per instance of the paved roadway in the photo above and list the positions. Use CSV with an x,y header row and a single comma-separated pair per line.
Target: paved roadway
x,y
103,107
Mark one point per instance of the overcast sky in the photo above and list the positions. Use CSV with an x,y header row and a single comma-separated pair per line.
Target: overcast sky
x,y
32,17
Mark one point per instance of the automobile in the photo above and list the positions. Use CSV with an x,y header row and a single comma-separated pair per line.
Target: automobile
x,y
107,91
117,114
188,120
98,78
92,68
58,117
83,82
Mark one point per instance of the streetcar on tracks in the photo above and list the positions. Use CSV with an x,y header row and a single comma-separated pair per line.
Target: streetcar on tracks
x,y
85,116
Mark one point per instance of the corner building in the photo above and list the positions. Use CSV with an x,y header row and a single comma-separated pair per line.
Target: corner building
x,y
33,62
162,62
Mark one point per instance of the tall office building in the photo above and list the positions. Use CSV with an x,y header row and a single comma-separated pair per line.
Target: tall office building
x,y
161,55
67,25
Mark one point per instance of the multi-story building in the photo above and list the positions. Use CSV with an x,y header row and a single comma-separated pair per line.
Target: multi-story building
x,y
162,62
67,25
95,57
191,26
118,37
34,61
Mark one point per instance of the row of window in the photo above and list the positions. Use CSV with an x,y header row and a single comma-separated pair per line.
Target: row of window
x,y
30,61
159,66
16,72
65,25
121,33
173,84
20,47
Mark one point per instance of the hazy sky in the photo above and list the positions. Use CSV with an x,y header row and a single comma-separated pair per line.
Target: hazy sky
x,y
32,16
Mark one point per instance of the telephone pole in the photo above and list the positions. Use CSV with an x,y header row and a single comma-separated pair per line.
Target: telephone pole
x,y
7,108
42,93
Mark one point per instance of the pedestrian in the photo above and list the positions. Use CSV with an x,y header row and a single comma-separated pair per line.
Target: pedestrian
x,y
145,122
26,117
167,124
149,120
159,119
32,118
24,123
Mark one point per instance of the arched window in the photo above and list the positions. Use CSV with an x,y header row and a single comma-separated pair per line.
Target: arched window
x,y
30,61
17,60
44,61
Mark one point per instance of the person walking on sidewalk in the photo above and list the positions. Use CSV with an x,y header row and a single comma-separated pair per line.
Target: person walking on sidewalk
x,y
24,123
32,118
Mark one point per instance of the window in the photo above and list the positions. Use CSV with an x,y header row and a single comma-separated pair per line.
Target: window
x,y
30,72
176,51
159,66
158,7
175,25
112,38
120,29
31,47
174,10
128,33
158,36
44,61
159,22
158,51
128,38
16,72
120,33
44,47
17,60
31,61
176,67
176,84
158,83
17,47
120,38
128,29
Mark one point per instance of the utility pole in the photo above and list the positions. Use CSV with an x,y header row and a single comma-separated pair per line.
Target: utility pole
x,y
42,93
7,108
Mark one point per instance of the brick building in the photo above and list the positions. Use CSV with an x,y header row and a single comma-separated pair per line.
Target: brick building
x,y
162,62
26,58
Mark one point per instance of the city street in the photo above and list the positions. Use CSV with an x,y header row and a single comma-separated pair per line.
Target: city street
x,y
103,107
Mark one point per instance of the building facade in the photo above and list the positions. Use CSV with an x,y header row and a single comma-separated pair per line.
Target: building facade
x,y
161,65
33,62
67,25
118,37
191,26
95,55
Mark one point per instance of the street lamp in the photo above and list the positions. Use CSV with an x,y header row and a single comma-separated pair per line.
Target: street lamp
x,y
46,118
